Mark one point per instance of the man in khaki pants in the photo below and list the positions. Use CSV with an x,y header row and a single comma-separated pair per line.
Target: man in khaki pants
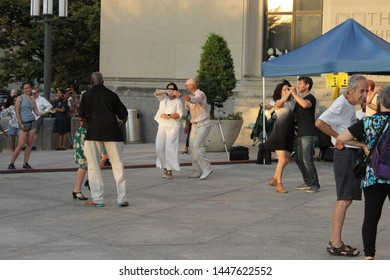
x,y
196,104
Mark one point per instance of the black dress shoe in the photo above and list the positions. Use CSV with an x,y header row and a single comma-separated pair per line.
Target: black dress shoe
x,y
11,166
27,166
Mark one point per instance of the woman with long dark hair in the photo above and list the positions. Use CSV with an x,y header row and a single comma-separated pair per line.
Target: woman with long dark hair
x,y
281,137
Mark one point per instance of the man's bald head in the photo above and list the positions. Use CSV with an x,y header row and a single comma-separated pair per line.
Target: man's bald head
x,y
191,82
191,85
96,78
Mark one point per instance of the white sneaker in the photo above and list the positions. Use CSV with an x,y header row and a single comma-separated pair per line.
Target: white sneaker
x,y
206,174
194,175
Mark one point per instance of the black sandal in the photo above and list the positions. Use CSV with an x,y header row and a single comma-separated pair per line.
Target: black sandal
x,y
343,250
79,196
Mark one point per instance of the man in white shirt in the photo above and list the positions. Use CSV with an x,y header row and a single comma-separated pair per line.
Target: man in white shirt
x,y
338,117
43,106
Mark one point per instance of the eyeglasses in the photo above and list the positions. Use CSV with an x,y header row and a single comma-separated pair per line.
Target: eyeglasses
x,y
171,88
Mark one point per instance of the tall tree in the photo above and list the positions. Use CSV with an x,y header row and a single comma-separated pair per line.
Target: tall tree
x,y
215,75
75,43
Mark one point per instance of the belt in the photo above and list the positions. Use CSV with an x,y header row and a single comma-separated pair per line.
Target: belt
x,y
199,122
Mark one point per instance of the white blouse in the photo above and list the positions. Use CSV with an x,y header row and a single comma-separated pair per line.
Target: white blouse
x,y
169,106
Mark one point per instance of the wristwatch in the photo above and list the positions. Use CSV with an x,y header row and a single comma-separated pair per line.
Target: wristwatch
x,y
169,116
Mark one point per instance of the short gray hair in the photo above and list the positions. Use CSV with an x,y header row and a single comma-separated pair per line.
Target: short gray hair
x,y
96,78
384,97
354,80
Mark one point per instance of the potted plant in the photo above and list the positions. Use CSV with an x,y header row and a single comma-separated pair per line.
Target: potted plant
x,y
215,75
217,79
230,125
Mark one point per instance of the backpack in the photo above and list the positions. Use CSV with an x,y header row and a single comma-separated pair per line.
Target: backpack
x,y
380,159
258,127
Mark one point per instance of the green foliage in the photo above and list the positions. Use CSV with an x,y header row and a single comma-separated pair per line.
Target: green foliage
x,y
215,75
233,116
75,43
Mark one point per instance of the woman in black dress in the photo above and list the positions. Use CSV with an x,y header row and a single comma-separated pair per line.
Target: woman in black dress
x,y
281,137
62,123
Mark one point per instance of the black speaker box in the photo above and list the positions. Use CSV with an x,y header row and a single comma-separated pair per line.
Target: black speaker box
x,y
239,153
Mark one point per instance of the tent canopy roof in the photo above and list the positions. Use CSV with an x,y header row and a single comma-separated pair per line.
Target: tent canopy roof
x,y
349,47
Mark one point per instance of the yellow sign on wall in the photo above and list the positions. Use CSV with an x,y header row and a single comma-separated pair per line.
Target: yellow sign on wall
x,y
336,80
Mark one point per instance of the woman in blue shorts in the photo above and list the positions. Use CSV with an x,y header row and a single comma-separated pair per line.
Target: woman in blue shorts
x,y
24,107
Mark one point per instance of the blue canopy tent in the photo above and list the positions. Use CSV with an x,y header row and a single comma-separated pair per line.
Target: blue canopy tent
x,y
349,47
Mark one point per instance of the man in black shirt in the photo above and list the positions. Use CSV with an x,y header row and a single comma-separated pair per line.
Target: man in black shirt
x,y
104,113
306,134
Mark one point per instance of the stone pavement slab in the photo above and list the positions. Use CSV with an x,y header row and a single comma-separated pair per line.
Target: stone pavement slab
x,y
233,214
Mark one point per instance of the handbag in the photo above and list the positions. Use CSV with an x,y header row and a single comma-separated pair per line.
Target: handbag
x,y
361,166
380,156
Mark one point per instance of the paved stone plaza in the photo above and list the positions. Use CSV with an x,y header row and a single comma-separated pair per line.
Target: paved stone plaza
x,y
233,214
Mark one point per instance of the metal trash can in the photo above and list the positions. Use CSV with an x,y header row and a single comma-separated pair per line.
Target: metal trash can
x,y
132,132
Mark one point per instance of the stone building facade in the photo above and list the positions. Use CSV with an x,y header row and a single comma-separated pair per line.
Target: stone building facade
x,y
146,43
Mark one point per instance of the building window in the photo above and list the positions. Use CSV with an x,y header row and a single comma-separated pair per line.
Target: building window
x,y
290,24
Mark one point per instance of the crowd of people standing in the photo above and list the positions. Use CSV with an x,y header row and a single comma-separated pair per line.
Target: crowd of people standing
x,y
62,109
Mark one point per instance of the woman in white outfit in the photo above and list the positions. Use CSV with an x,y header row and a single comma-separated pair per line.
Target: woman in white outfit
x,y
168,117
